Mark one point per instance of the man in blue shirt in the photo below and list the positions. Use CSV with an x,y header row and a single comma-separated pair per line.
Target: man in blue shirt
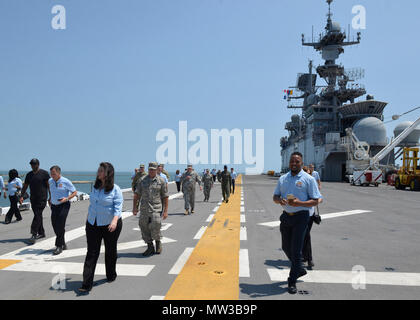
x,y
233,175
160,173
296,192
61,192
214,174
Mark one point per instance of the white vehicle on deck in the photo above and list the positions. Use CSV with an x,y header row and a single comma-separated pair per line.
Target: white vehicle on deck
x,y
367,178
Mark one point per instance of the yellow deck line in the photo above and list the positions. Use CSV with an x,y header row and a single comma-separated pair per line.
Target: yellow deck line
x,y
8,263
212,271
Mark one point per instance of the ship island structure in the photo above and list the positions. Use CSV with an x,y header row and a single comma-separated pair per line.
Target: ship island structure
x,y
328,110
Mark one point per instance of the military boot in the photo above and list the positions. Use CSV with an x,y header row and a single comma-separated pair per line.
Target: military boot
x,y
158,247
150,250
186,213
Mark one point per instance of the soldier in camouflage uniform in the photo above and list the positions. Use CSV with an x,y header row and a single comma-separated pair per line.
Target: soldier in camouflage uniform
x,y
208,184
188,181
152,192
226,181
140,174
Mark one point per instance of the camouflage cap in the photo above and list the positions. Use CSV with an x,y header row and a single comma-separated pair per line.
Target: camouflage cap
x,y
153,165
141,166
189,166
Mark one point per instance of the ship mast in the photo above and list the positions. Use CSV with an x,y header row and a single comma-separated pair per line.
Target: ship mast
x,y
331,45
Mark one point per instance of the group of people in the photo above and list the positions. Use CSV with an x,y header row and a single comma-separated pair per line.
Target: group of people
x,y
187,181
44,187
104,218
298,192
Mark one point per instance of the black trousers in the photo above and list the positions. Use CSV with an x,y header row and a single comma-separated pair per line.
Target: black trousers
x,y
307,246
14,209
37,227
233,186
293,229
178,185
59,215
94,235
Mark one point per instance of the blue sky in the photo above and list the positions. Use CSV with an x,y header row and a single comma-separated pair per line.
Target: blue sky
x,y
122,70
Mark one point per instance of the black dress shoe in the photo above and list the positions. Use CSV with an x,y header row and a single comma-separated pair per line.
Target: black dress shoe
x,y
112,279
32,240
291,288
6,222
57,251
65,247
84,289
40,236
311,264
17,220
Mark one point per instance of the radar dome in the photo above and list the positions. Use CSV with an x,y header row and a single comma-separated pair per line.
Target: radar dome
x,y
413,138
371,130
335,27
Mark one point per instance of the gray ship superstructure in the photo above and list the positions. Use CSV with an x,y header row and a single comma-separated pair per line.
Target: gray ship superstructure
x,y
328,110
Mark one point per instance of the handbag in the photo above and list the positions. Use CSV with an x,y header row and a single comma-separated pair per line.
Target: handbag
x,y
317,217
19,195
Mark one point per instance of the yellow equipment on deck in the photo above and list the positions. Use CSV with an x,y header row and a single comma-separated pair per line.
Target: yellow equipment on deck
x,y
409,173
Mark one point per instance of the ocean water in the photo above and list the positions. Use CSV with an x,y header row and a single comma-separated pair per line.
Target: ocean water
x,y
122,179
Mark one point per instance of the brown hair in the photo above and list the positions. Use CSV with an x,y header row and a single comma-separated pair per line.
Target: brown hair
x,y
109,177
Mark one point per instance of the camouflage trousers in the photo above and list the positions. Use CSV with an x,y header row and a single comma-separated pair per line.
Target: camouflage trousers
x,y
206,191
189,199
150,224
226,192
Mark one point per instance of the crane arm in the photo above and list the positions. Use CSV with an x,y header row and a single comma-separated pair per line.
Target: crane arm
x,y
385,151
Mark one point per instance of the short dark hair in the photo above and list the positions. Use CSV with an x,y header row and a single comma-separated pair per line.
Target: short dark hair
x,y
109,177
296,154
56,168
13,174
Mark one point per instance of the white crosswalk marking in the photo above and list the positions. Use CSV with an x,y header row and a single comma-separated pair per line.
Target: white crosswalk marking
x,y
46,256
244,264
343,214
165,226
273,224
348,277
243,234
77,268
179,264
200,233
